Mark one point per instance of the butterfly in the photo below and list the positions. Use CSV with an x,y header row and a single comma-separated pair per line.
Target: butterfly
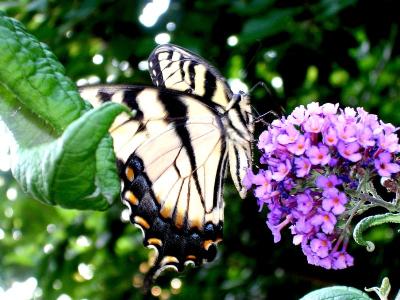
x,y
173,154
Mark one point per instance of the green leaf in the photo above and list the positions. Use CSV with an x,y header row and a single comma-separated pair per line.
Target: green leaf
x,y
76,170
369,222
32,73
62,153
336,293
249,8
326,8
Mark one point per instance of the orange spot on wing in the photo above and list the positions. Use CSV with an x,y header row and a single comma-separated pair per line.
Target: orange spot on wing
x,y
129,174
155,242
131,198
191,257
207,244
166,212
142,222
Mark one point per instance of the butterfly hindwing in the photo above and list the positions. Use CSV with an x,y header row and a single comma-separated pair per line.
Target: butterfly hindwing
x,y
174,157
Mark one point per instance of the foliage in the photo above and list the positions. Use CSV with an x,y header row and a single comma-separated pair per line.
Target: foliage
x,y
326,50
66,156
347,293
337,292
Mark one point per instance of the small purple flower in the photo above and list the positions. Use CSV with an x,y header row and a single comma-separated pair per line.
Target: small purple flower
x,y
330,109
304,203
312,259
262,178
342,260
265,188
346,133
324,219
389,142
289,136
334,201
318,155
313,108
281,170
298,116
299,146
330,136
303,166
349,113
320,245
266,142
325,262
275,215
333,162
302,226
327,182
388,128
368,120
276,229
384,165
313,124
248,179
350,151
365,137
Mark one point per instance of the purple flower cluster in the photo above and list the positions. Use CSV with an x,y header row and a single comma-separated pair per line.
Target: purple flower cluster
x,y
311,158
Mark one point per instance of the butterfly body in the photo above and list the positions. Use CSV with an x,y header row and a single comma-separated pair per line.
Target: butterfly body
x,y
173,153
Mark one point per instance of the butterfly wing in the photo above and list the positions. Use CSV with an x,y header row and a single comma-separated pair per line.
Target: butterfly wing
x,y
174,157
175,68
240,136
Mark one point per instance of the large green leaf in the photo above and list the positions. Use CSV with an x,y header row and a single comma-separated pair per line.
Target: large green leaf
x,y
36,78
336,293
61,150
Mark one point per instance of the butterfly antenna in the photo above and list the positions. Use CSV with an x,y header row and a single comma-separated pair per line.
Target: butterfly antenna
x,y
252,58
262,84
260,117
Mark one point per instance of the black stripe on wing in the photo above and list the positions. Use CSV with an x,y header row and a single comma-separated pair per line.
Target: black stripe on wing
x,y
173,74
177,113
221,170
210,85
105,93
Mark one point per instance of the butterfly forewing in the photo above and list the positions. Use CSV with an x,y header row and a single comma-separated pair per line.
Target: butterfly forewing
x,y
178,69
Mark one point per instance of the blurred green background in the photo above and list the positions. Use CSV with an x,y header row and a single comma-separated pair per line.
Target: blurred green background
x,y
338,51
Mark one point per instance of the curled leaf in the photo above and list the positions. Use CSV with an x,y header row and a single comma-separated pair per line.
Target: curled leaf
x,y
370,221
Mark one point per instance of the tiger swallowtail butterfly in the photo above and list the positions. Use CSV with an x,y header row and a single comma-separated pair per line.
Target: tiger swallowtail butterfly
x,y
173,154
